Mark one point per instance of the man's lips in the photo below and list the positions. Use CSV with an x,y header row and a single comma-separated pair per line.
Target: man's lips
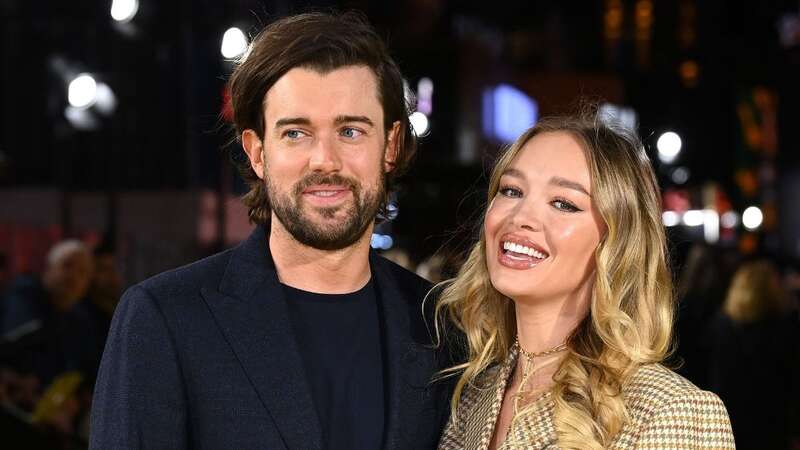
x,y
326,192
325,188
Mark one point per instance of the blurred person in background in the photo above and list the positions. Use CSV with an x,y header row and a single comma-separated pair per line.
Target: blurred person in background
x,y
567,305
64,282
754,359
41,335
432,268
700,292
400,257
43,340
300,337
95,311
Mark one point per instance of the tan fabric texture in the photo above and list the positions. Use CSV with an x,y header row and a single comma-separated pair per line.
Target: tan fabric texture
x,y
667,412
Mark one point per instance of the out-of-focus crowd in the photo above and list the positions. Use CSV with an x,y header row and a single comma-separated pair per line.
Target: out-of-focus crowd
x,y
737,328
53,327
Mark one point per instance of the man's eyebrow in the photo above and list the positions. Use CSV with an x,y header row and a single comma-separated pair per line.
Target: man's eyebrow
x,y
348,119
292,121
569,184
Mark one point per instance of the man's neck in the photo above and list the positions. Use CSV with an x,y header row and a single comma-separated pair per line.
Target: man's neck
x,y
322,271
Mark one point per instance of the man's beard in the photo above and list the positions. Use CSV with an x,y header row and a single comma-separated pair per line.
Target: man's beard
x,y
298,220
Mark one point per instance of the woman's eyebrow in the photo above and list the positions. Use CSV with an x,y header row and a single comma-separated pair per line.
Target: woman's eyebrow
x,y
569,184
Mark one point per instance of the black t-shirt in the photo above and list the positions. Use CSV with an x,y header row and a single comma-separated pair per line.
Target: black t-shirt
x,y
339,340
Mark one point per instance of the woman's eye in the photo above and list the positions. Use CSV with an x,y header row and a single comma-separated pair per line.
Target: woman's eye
x,y
351,132
510,192
564,205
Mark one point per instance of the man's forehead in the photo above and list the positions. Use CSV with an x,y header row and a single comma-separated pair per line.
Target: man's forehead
x,y
324,95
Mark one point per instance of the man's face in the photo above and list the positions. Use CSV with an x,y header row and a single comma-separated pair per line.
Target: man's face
x,y
69,277
324,154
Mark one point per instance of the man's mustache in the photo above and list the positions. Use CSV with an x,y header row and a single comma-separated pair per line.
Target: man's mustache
x,y
319,178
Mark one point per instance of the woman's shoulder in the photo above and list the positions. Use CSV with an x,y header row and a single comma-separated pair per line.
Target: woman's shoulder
x,y
652,387
664,405
657,383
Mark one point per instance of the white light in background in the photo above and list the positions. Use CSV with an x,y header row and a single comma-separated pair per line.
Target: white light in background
x,y
729,219
124,10
680,175
693,218
710,226
670,218
669,146
106,100
419,122
616,115
234,43
82,91
381,241
752,218
425,96
81,118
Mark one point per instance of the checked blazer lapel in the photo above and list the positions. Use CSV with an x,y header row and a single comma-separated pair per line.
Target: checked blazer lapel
x,y
251,310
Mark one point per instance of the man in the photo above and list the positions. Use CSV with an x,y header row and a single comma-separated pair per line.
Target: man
x,y
300,337
95,311
66,278
40,335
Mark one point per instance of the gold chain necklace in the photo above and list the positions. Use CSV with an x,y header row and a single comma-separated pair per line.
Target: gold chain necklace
x,y
527,372
530,355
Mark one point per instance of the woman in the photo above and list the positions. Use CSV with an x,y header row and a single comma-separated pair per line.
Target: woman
x,y
566,305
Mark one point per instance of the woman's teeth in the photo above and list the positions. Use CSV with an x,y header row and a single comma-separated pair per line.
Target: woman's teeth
x,y
521,249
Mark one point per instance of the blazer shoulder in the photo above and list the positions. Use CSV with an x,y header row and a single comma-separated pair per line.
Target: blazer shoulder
x,y
405,278
190,278
652,386
663,405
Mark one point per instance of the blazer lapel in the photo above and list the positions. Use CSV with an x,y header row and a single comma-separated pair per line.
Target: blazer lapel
x,y
251,310
406,374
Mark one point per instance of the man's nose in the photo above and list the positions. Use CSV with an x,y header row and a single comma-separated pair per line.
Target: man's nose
x,y
325,155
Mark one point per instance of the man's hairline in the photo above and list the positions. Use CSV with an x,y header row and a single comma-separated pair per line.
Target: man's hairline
x,y
321,71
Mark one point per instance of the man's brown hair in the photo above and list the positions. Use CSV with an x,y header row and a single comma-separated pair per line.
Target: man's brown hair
x,y
322,42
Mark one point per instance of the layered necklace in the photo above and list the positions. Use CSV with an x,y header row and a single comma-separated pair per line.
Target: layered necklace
x,y
528,369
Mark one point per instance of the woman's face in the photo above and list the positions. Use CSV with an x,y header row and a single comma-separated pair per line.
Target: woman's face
x,y
542,227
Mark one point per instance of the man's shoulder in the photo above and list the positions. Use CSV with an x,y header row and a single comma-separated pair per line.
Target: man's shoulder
x,y
412,287
403,276
190,278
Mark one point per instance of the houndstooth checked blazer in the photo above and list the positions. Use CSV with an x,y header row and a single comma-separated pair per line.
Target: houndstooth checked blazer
x,y
667,412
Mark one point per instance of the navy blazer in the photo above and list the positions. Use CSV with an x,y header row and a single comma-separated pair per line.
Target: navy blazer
x,y
204,357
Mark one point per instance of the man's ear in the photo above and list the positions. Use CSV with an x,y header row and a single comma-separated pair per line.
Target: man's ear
x,y
253,146
392,147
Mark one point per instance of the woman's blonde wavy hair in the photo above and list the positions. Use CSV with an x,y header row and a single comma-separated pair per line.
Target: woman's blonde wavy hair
x,y
631,311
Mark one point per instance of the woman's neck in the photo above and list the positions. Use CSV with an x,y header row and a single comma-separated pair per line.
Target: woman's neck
x,y
542,325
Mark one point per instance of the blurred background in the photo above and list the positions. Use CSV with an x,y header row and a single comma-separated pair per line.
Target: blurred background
x,y
115,148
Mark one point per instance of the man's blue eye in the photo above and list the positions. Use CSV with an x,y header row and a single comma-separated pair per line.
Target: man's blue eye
x,y
350,132
293,134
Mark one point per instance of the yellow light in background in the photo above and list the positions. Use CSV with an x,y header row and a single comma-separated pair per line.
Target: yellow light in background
x,y
690,72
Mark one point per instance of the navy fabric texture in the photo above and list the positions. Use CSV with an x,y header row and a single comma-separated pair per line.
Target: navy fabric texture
x,y
205,357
